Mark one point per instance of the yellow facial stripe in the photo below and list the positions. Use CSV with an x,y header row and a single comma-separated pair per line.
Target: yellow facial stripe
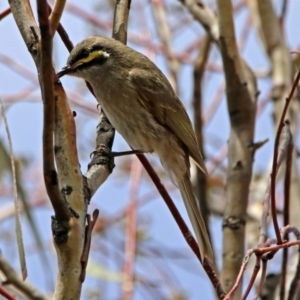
x,y
93,55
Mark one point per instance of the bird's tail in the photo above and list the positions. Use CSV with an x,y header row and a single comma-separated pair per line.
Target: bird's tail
x,y
194,213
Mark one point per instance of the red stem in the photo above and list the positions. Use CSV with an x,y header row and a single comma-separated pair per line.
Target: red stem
x,y
274,164
5,13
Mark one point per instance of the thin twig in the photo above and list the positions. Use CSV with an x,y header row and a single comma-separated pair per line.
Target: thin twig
x,y
14,279
181,224
87,242
274,164
7,294
65,37
169,202
5,13
283,13
238,279
269,246
253,277
19,233
294,287
285,141
262,279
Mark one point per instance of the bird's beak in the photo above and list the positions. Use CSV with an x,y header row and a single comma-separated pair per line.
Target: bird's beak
x,y
65,70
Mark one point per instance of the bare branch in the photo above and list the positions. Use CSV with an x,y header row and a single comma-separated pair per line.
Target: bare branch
x,y
285,141
241,98
121,20
262,279
56,14
47,87
276,146
240,135
19,233
102,164
253,277
205,16
14,279
25,21
165,36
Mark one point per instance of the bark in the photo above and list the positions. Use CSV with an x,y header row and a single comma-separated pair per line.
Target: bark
x,y
241,100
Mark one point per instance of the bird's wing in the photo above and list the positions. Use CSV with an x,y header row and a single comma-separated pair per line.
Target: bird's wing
x,y
158,97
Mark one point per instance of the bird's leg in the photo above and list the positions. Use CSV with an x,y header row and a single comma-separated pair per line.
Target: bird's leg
x,y
116,154
102,149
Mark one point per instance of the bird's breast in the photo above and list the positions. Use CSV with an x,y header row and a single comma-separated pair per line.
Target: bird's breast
x,y
130,118
139,128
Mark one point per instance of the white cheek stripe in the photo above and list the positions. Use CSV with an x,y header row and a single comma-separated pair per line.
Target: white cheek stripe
x,y
105,54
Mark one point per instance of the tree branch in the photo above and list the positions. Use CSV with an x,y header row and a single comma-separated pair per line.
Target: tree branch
x,y
15,280
241,99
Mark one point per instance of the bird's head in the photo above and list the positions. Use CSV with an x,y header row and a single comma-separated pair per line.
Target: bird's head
x,y
90,55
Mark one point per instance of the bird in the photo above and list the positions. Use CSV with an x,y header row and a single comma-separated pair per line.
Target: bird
x,y
141,104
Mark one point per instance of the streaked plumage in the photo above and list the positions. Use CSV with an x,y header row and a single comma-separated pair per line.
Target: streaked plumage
x,y
141,104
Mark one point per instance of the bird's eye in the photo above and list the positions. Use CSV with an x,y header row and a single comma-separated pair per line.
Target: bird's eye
x,y
84,53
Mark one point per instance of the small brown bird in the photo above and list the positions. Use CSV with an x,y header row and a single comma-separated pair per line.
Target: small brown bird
x,y
143,107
